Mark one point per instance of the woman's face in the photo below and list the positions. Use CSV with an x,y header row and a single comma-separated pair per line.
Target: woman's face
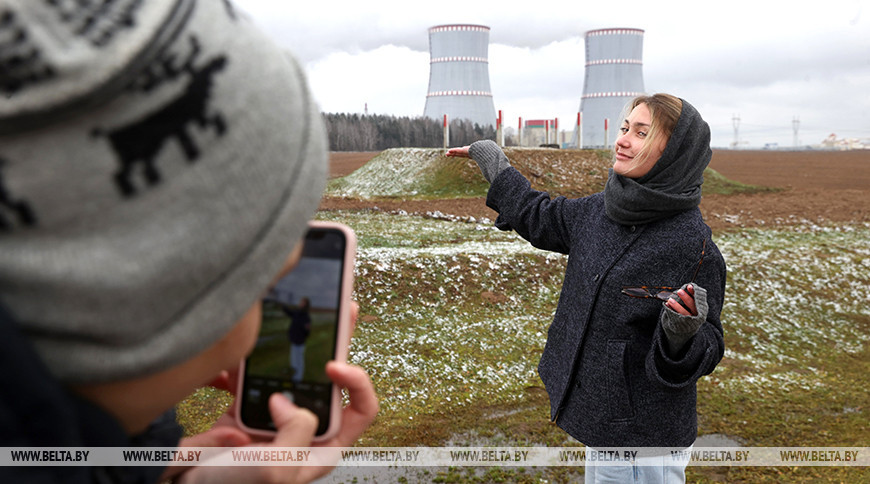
x,y
629,162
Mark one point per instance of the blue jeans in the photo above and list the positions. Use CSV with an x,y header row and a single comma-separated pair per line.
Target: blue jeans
x,y
297,361
645,470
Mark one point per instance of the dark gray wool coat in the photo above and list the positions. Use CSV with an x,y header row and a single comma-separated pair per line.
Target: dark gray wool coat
x,y
606,366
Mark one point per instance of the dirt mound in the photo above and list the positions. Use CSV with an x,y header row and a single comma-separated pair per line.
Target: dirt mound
x,y
427,174
412,173
816,186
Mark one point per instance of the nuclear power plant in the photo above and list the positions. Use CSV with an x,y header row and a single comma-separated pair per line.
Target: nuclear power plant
x,y
459,74
614,76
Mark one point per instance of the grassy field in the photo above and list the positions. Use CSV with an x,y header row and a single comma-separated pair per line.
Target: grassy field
x,y
454,316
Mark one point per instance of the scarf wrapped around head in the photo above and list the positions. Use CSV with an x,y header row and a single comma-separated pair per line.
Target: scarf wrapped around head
x,y
673,185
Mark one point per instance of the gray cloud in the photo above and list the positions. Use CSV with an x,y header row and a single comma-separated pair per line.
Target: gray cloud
x,y
760,61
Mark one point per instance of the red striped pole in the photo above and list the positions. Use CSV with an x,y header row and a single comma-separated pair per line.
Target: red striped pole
x,y
446,133
520,131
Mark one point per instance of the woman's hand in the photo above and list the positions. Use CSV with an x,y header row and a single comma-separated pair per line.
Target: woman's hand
x,y
489,157
688,307
682,322
459,152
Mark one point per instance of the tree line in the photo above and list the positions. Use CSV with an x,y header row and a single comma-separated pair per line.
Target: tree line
x,y
355,132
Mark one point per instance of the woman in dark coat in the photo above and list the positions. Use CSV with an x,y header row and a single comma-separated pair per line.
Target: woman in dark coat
x,y
297,333
638,317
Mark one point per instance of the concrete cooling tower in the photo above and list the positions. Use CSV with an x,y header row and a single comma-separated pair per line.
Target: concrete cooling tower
x,y
459,74
614,76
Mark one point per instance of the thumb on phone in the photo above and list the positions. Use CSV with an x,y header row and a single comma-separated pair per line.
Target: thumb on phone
x,y
295,426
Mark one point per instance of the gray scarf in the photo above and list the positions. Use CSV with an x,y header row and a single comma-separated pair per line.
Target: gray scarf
x,y
674,183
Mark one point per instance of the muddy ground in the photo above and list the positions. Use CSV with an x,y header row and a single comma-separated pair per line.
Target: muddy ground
x,y
816,186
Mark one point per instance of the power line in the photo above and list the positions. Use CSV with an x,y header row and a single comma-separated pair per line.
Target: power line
x,y
795,123
735,120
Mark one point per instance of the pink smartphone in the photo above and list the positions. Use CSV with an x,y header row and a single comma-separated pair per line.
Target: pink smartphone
x,y
306,323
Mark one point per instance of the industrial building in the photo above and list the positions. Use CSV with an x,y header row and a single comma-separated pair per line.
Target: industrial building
x,y
459,74
537,132
614,76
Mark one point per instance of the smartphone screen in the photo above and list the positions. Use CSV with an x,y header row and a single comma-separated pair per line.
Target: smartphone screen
x,y
300,334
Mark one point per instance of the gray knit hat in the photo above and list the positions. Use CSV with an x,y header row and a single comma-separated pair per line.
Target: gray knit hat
x,y
158,162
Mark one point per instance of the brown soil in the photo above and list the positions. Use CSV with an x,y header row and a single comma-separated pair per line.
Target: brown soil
x,y
816,186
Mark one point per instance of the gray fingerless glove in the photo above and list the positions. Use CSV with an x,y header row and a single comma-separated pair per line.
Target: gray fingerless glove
x,y
678,328
489,157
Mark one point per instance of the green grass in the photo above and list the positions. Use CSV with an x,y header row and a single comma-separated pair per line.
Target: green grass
x,y
273,349
716,183
453,318
797,324
455,321
198,412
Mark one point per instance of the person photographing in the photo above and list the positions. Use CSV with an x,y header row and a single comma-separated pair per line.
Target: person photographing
x,y
161,162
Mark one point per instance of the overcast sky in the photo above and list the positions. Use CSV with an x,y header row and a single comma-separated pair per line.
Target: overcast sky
x,y
764,62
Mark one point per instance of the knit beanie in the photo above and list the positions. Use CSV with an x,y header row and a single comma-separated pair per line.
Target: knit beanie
x,y
159,160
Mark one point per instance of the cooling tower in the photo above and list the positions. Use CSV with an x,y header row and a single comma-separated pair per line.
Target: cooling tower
x,y
614,76
459,74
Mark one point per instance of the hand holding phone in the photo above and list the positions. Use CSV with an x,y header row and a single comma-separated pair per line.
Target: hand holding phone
x,y
306,323
296,432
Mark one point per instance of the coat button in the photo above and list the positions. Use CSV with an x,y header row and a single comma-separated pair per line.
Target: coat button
x,y
633,228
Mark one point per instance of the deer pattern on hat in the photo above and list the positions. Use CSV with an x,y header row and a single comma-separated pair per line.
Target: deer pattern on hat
x,y
140,142
136,145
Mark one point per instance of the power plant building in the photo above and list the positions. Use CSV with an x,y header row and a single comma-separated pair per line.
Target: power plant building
x,y
538,132
459,74
614,76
